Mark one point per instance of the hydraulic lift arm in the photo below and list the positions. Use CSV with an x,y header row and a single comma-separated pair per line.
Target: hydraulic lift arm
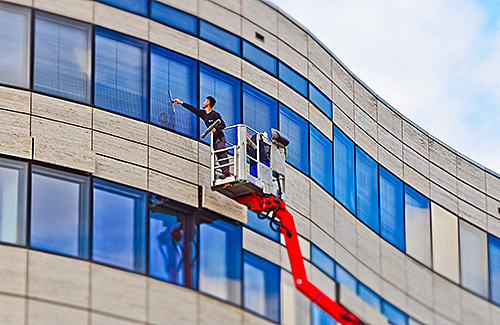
x,y
285,224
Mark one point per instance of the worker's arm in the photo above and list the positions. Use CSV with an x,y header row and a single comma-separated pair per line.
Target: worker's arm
x,y
193,109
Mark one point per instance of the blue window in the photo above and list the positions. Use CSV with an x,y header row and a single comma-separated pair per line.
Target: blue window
x,y
219,37
120,73
343,169
260,58
171,255
369,297
320,101
321,159
418,226
393,314
367,190
60,211
138,6
15,45
260,112
323,261
342,276
221,260
319,317
494,258
391,209
119,229
177,74
262,286
227,92
293,79
174,17
261,226
62,57
13,196
297,130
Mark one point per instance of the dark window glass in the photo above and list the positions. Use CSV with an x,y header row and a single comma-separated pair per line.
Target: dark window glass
x,y
391,209
367,190
342,276
60,211
15,29
120,73
323,261
319,317
177,74
119,229
139,6
262,286
321,160
260,112
174,17
227,92
393,314
369,297
418,226
13,195
221,260
297,130
293,79
343,169
62,57
320,101
219,37
172,244
261,226
260,58
494,258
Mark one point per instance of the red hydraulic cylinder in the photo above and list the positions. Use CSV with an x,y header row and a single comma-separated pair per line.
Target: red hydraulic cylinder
x,y
277,206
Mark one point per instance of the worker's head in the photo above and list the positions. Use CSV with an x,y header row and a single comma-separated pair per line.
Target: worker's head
x,y
209,102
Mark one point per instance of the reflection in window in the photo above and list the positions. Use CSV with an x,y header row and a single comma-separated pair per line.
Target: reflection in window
x,y
418,226
319,317
119,229
174,17
369,297
139,6
295,306
367,190
62,57
391,209
322,261
15,45
261,286
220,37
474,258
342,276
172,244
260,58
445,242
343,169
221,260
320,101
494,257
13,193
59,211
321,159
297,130
177,74
260,112
261,226
120,73
293,79
393,314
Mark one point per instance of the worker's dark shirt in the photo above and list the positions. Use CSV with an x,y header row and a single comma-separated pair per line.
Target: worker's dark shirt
x,y
209,119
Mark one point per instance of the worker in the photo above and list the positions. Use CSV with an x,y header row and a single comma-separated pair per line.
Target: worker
x,y
208,115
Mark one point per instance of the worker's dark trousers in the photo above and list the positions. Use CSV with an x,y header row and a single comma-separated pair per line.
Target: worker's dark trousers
x,y
222,156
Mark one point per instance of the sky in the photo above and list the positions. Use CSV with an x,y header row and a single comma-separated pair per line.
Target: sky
x,y
435,61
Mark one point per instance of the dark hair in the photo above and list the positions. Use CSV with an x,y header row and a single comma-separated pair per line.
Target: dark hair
x,y
212,101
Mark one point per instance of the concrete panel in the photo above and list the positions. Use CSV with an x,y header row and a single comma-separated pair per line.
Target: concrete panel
x,y
343,102
118,292
15,100
444,198
248,32
99,319
78,9
395,296
12,310
13,270
390,120
15,139
289,55
390,142
113,18
346,259
366,100
220,16
173,143
259,79
250,319
322,206
472,214
221,204
365,122
292,34
415,139
447,298
171,304
420,311
492,207
61,110
302,223
304,244
173,165
297,191
494,314
416,161
173,188
323,240
233,5
190,6
365,142
59,279
320,57
493,225
471,174
261,14
442,157
212,311
120,126
345,228
22,2
475,310
493,186
343,122
121,172
416,180
393,265
471,195
295,307
419,282
320,121
443,179
368,247
390,162
44,313
293,100
322,281
219,59
442,320
62,144
368,277
204,176
111,146
342,79
365,312
173,39
204,154
320,79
